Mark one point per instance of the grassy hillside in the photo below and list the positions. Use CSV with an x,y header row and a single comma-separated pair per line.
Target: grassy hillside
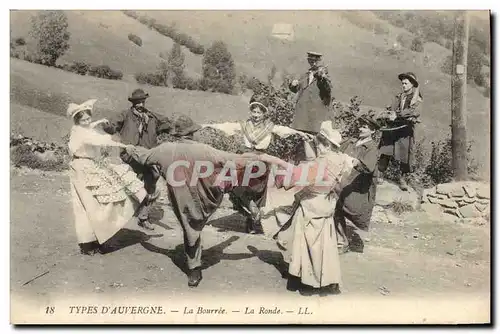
x,y
50,90
101,37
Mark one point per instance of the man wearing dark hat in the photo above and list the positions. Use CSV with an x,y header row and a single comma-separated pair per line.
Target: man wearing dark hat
x,y
398,140
313,100
139,126
184,128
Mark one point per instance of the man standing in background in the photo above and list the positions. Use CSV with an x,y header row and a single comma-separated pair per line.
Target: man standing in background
x,y
139,126
312,102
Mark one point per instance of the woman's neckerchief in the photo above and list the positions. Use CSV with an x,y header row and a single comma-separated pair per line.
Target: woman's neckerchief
x,y
255,133
143,119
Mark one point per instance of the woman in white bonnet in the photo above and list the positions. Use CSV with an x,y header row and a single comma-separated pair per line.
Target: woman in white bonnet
x,y
309,237
105,191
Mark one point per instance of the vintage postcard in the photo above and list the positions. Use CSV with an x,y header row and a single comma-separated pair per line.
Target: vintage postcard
x,y
250,167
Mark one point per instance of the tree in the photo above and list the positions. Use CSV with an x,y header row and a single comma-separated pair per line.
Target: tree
x,y
218,69
50,31
172,70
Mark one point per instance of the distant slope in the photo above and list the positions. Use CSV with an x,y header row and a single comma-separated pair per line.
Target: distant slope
x,y
50,90
101,37
37,124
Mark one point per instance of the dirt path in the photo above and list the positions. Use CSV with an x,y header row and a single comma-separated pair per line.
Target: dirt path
x,y
419,256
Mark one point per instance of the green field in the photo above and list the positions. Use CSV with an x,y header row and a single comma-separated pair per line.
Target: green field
x,y
359,61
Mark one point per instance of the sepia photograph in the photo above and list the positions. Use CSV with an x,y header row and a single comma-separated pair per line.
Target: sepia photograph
x,y
250,167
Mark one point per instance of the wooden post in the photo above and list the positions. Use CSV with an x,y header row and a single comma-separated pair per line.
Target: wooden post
x,y
458,96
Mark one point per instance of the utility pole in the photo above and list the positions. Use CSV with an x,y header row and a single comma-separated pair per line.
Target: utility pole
x,y
458,96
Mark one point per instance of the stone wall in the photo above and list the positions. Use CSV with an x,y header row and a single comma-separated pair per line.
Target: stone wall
x,y
461,199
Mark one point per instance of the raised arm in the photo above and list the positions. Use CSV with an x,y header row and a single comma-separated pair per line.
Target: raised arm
x,y
324,85
284,131
88,137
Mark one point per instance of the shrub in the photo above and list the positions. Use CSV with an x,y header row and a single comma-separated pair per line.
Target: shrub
x,y
417,45
80,67
20,41
24,155
105,72
399,207
50,31
135,39
169,31
154,79
131,13
440,167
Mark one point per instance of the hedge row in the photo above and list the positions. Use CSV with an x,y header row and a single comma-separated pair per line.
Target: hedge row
x,y
169,31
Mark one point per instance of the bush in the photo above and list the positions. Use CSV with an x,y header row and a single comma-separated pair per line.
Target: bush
x,y
20,41
169,31
50,31
135,39
25,155
105,72
154,79
80,67
417,45
99,71
440,165
399,207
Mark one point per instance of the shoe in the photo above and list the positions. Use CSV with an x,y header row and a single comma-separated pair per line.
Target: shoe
x,y
332,289
293,284
307,290
356,244
89,248
253,227
380,180
146,224
356,247
194,277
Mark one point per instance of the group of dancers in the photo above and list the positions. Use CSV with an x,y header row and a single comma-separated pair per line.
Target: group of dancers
x,y
113,180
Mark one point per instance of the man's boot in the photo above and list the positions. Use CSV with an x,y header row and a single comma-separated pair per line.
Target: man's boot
x,y
194,277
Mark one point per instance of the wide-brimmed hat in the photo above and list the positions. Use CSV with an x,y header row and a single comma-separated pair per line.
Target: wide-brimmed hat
x,y
314,55
74,109
184,125
260,100
410,76
333,135
138,95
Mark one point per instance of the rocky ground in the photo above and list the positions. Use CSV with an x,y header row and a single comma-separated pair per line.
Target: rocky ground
x,y
407,254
